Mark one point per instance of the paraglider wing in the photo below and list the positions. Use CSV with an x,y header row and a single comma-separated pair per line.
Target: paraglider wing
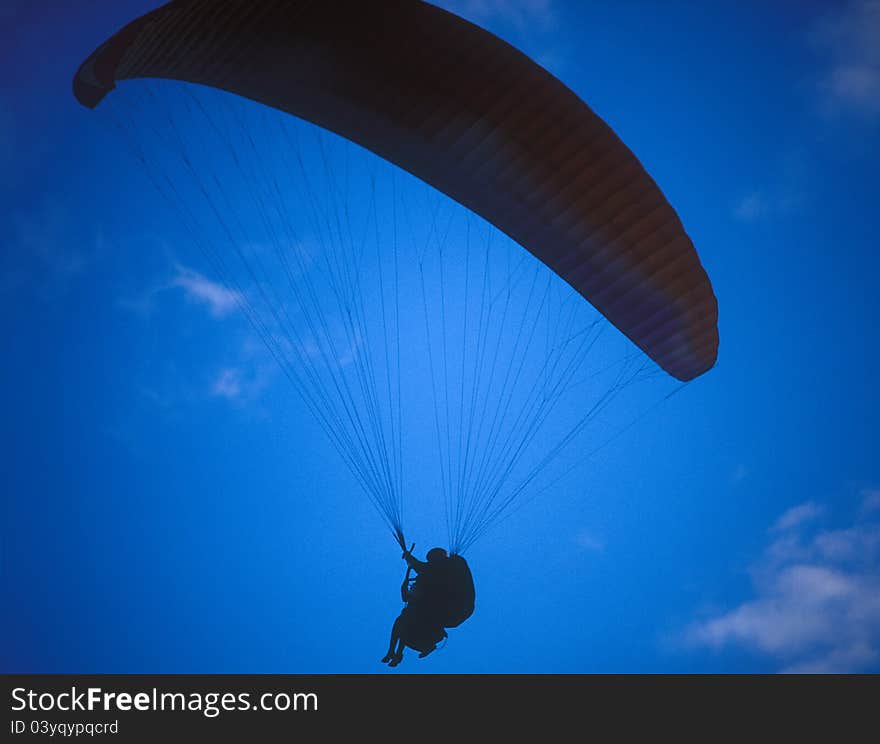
x,y
465,112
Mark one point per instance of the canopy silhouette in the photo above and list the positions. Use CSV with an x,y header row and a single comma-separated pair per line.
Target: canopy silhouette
x,y
467,113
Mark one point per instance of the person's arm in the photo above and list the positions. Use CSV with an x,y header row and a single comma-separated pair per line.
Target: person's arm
x,y
404,587
414,563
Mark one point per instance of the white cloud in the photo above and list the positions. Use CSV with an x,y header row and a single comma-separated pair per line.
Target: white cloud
x,y
241,384
797,515
816,602
244,383
851,39
198,288
227,383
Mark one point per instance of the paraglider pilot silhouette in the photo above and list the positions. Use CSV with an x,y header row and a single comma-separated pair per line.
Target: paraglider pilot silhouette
x,y
440,596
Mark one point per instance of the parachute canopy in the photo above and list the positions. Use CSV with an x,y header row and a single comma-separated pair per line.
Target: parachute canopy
x,y
463,111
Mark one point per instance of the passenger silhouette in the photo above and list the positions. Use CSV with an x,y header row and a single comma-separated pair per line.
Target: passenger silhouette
x,y
441,596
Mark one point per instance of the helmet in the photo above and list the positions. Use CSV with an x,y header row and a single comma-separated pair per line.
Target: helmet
x,y
436,554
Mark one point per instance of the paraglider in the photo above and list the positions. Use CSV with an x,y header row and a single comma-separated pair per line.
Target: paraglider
x,y
466,113
441,596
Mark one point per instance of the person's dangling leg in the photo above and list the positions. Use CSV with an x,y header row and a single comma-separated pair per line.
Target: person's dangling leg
x,y
398,652
395,646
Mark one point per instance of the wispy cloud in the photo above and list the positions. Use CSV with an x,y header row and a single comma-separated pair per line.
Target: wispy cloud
x,y
761,204
45,249
340,344
870,500
850,38
247,368
219,300
816,601
243,383
751,207
198,288
227,384
740,473
588,541
797,515
240,383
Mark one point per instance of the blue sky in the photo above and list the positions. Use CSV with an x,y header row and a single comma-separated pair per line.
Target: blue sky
x,y
171,506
